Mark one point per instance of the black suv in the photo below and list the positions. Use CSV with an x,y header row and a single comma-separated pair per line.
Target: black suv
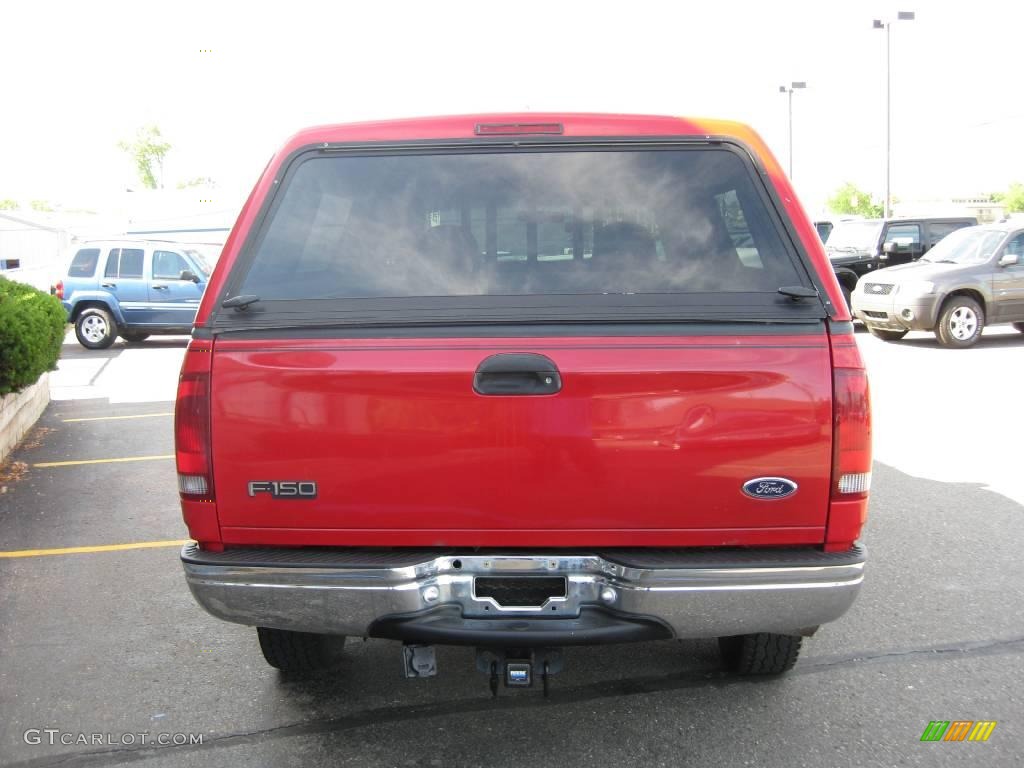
x,y
858,247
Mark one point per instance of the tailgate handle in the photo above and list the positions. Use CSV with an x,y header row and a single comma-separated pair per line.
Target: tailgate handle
x,y
517,374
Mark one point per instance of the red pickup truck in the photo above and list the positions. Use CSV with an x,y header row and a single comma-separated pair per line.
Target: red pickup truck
x,y
522,382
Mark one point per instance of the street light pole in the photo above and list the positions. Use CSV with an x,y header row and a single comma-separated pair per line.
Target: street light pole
x,y
789,90
887,208
791,134
887,25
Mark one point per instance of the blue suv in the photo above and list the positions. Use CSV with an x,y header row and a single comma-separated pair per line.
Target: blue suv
x,y
132,289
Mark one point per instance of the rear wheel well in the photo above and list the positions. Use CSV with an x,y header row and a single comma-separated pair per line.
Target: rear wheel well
x,y
969,293
84,305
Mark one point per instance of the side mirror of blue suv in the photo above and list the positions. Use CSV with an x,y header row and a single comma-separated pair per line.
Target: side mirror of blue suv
x,y
132,289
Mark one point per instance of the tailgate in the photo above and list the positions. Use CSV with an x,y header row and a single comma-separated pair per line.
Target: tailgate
x,y
649,441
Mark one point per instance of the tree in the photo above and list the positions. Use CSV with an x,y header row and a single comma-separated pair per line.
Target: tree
x,y
850,200
148,151
1012,199
41,205
8,205
198,181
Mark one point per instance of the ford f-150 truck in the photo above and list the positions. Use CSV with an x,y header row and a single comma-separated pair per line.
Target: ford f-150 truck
x,y
522,382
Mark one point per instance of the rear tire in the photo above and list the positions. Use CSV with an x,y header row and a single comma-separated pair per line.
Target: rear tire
x,y
296,653
95,328
961,322
134,338
764,653
884,335
847,297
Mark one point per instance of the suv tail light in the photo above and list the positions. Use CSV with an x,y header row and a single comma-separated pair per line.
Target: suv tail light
x,y
58,290
192,443
851,444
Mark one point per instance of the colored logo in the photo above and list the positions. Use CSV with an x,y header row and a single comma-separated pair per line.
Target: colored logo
x,y
769,488
958,730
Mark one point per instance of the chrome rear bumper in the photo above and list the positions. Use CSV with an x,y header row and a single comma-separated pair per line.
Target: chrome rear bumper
x,y
689,594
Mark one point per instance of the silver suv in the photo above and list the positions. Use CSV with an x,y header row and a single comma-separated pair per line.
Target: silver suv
x,y
973,278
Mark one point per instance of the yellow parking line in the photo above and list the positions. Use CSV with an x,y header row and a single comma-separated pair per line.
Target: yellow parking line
x,y
116,418
100,548
100,461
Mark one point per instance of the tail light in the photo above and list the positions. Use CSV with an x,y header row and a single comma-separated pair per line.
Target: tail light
x,y
851,465
192,447
851,444
58,290
192,424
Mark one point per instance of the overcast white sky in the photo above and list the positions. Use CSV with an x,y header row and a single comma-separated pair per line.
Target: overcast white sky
x,y
78,76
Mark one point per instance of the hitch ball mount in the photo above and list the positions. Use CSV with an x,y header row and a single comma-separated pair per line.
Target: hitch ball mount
x,y
517,667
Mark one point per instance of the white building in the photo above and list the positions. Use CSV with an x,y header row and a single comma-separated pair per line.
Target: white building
x,y
31,248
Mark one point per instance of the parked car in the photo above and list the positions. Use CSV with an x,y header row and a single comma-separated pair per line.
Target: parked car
x,y
856,248
133,289
824,226
973,278
521,382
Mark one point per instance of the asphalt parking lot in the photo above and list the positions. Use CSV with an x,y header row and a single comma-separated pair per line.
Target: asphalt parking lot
x,y
109,641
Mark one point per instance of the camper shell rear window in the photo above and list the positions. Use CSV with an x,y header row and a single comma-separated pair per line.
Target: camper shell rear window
x,y
369,235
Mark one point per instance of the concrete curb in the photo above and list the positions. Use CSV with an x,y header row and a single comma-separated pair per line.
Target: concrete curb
x,y
19,411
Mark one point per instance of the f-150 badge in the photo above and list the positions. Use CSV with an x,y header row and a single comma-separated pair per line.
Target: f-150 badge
x,y
769,488
284,489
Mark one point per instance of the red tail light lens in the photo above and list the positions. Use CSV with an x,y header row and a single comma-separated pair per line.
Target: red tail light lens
x,y
851,466
59,290
851,444
192,424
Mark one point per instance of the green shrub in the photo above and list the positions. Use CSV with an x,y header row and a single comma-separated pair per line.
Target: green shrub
x,y
32,325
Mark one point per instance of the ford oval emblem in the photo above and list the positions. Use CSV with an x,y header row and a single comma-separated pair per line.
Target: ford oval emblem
x,y
769,488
